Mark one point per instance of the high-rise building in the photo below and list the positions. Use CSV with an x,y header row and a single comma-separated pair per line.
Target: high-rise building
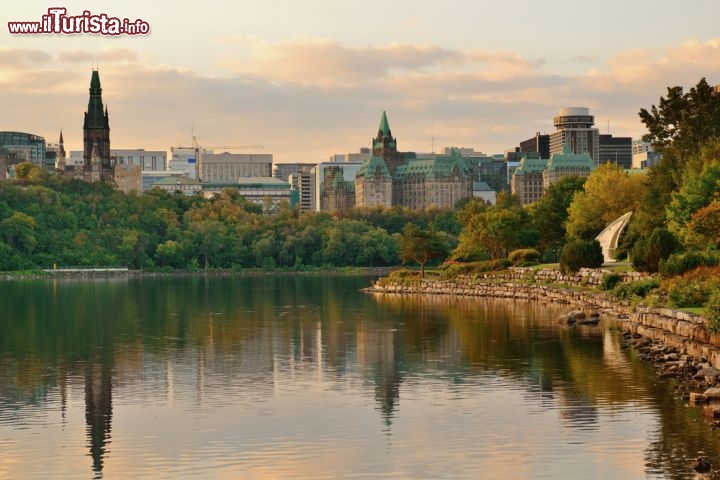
x,y
574,126
96,135
304,184
616,150
540,143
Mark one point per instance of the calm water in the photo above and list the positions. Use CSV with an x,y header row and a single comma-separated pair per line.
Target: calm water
x,y
306,377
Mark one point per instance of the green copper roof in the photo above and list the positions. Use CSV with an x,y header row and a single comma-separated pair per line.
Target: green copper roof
x,y
370,166
95,88
439,166
570,161
384,130
95,117
176,180
531,165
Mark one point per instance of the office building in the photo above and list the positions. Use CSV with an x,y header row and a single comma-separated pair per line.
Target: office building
x,y
574,126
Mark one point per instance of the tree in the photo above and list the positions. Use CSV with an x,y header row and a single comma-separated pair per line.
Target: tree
x,y
705,225
579,253
683,120
648,252
496,231
421,246
698,191
18,231
609,192
550,213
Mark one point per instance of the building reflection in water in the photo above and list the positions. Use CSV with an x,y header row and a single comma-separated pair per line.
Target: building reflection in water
x,y
98,412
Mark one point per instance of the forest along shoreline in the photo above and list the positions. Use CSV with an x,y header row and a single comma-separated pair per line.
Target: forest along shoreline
x,y
675,342
90,273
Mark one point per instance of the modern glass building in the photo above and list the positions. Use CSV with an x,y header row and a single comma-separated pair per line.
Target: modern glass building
x,y
18,147
335,185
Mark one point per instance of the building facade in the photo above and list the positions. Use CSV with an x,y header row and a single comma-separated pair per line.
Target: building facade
x,y
228,167
540,144
527,180
567,164
96,135
616,150
267,192
335,185
128,178
146,159
441,182
374,184
391,177
574,126
535,175
180,184
304,183
17,147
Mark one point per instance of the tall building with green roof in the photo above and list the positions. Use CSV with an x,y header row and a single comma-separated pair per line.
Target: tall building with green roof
x,y
527,181
535,175
374,184
567,164
392,178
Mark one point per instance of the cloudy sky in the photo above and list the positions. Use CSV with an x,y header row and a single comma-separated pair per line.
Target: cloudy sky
x,y
309,78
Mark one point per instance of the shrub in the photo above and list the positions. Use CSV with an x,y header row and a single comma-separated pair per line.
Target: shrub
x,y
694,288
712,313
610,281
454,269
639,289
679,263
579,254
524,255
647,253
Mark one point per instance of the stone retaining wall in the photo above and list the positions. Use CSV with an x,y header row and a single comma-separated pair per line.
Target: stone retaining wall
x,y
678,330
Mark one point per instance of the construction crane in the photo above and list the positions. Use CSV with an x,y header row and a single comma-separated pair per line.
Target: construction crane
x,y
199,148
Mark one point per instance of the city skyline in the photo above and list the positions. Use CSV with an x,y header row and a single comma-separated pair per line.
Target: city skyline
x,y
310,81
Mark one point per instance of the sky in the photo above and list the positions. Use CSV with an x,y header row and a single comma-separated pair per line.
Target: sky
x,y
308,79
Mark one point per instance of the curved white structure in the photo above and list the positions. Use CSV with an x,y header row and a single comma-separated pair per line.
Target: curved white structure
x,y
609,237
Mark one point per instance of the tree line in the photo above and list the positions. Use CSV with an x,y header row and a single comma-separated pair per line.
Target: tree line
x,y
47,221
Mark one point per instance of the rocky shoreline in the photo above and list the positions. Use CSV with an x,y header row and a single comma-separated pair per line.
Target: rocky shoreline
x,y
676,343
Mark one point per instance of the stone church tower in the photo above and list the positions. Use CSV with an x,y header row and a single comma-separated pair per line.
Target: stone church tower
x,y
96,134
385,146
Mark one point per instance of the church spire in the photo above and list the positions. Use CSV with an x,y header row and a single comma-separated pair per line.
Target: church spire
x,y
384,130
95,116
96,132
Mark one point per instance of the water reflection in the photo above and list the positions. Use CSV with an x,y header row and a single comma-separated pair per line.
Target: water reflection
x,y
226,373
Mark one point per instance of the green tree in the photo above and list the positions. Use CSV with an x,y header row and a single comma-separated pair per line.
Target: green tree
x,y
421,246
18,231
580,253
609,192
496,230
683,120
698,191
550,213
648,252
169,254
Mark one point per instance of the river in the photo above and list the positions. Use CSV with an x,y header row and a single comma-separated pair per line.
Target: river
x,y
307,377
